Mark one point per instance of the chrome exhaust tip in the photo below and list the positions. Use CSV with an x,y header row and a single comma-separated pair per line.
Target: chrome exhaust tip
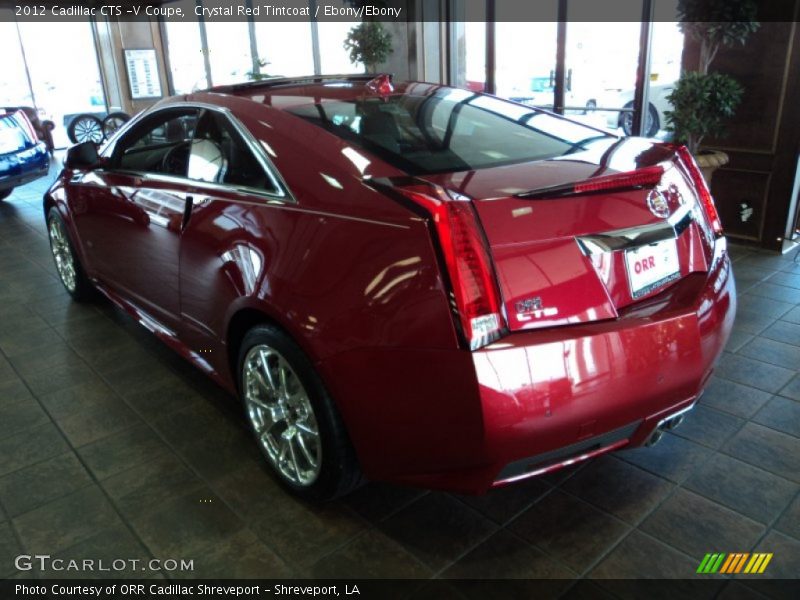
x,y
655,437
674,422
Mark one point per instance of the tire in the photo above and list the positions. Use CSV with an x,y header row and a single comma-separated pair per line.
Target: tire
x,y
113,122
85,128
626,121
68,266
295,422
5,193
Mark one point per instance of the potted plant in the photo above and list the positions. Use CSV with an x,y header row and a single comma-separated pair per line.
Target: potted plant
x,y
703,101
370,44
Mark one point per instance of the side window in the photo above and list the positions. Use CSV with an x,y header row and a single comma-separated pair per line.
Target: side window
x,y
219,155
159,144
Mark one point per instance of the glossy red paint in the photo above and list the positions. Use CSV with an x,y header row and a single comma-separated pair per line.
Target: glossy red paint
x,y
356,278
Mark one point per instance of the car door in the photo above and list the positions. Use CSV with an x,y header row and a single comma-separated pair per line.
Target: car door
x,y
227,241
131,211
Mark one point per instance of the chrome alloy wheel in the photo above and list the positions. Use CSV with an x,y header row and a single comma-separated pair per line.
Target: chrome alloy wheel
x,y
62,253
282,416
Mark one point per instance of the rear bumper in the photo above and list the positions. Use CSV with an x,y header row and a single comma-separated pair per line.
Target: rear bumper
x,y
23,167
537,400
607,385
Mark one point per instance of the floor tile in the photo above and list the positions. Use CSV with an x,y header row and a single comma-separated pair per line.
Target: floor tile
x,y
79,399
754,373
145,487
376,501
501,504
784,278
65,522
767,449
777,292
735,398
781,414
115,546
625,491
673,458
30,447
634,558
301,534
789,523
792,389
9,550
13,390
372,555
33,486
19,417
241,556
121,451
98,423
786,557
187,525
505,556
783,331
696,525
437,529
708,426
746,489
569,529
776,353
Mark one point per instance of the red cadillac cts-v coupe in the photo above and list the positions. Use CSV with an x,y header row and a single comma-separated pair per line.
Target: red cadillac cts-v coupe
x,y
409,283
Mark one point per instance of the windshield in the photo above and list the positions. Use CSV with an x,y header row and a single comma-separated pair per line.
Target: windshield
x,y
451,130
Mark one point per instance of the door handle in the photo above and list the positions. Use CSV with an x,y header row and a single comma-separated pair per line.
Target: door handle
x,y
187,211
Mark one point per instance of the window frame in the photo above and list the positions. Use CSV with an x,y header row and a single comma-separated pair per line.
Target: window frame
x,y
281,193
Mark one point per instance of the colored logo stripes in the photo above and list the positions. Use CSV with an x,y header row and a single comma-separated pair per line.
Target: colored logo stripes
x,y
735,562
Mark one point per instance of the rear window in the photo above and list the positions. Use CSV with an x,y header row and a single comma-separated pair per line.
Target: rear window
x,y
451,130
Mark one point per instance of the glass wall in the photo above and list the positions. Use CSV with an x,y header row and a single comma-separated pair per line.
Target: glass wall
x,y
205,53
184,52
14,88
600,59
64,83
523,75
285,49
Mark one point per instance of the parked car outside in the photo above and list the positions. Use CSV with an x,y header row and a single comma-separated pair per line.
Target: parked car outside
x,y
23,158
658,105
406,282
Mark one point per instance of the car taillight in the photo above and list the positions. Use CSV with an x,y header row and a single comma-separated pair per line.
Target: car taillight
x,y
706,200
469,267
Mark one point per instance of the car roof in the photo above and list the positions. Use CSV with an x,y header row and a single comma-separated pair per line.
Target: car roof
x,y
288,92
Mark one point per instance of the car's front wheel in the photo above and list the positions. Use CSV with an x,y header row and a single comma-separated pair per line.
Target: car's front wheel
x,y
69,268
295,422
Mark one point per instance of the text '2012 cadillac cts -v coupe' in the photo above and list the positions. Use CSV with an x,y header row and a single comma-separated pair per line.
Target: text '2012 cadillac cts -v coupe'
x,y
410,283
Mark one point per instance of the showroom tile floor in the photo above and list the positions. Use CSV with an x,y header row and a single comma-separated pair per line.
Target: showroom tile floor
x,y
112,447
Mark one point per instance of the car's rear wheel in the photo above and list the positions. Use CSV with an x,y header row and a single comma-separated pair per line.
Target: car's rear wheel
x,y
5,193
68,266
296,425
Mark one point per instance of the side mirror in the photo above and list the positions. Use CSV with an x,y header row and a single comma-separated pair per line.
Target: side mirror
x,y
82,156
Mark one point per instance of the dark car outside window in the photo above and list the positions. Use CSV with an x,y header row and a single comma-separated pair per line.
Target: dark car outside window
x,y
451,130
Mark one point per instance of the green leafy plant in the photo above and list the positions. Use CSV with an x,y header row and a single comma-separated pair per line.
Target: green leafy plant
x,y
702,102
370,44
256,74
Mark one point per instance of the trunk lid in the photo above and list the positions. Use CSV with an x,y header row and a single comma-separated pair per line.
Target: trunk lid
x,y
566,256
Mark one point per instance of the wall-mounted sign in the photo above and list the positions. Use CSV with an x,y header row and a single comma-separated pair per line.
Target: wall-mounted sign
x,y
142,68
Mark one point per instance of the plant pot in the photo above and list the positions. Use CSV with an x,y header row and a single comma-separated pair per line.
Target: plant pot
x,y
709,161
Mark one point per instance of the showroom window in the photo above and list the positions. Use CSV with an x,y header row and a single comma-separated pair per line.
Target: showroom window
x,y
205,53
60,85
564,60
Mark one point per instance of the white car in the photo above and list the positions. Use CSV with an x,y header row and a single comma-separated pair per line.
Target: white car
x,y
658,105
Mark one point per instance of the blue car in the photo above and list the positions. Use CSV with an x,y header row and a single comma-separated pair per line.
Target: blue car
x,y
23,157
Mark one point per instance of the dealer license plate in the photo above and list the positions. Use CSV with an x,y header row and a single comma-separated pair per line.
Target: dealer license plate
x,y
651,267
